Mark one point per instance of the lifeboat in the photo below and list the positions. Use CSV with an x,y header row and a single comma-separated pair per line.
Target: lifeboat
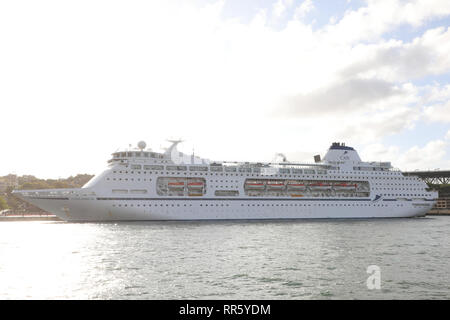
x,y
195,185
255,185
319,186
294,185
275,185
176,185
343,186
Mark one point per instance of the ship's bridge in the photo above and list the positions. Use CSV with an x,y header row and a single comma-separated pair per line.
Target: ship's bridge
x,y
137,154
140,154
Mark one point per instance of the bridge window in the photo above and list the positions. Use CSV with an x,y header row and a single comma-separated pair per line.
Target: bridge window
x,y
176,168
198,168
154,167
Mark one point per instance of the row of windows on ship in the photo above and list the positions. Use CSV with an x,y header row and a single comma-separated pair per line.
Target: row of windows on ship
x,y
193,186
260,170
413,182
226,169
144,154
236,181
227,193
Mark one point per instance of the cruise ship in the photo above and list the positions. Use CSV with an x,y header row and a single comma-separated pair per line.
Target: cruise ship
x,y
140,184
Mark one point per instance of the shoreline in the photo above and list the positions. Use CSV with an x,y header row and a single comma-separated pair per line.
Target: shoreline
x,y
439,212
30,218
55,218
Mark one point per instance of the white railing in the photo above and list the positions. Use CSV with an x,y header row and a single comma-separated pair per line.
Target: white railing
x,y
55,193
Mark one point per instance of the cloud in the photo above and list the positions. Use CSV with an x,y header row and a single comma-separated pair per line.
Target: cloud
x,y
437,104
280,7
303,9
431,156
342,97
157,68
398,61
438,112
370,127
370,22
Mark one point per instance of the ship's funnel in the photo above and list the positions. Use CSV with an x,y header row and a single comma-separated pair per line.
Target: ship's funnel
x,y
339,152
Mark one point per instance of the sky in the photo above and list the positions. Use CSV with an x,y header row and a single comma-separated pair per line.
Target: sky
x,y
236,80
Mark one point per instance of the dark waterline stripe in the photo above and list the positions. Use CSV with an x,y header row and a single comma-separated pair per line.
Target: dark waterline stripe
x,y
53,198
236,199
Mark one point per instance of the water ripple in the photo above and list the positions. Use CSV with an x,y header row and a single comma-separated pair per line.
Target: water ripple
x,y
225,260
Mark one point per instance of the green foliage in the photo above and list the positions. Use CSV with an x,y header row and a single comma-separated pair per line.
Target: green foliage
x,y
3,204
72,182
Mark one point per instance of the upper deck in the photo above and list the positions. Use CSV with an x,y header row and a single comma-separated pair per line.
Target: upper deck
x,y
339,157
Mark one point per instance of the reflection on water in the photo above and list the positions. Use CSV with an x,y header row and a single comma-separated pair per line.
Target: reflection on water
x,y
225,260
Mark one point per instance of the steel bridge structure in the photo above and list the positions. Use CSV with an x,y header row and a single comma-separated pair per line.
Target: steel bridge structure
x,y
431,177
440,178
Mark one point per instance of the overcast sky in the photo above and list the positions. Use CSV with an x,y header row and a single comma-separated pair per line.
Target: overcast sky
x,y
238,80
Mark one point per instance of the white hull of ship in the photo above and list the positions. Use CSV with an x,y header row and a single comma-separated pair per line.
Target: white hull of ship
x,y
250,209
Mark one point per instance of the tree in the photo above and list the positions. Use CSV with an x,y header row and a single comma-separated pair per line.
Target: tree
x,y
3,204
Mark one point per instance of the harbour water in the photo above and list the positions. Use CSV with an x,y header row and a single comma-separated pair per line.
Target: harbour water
x,y
308,259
